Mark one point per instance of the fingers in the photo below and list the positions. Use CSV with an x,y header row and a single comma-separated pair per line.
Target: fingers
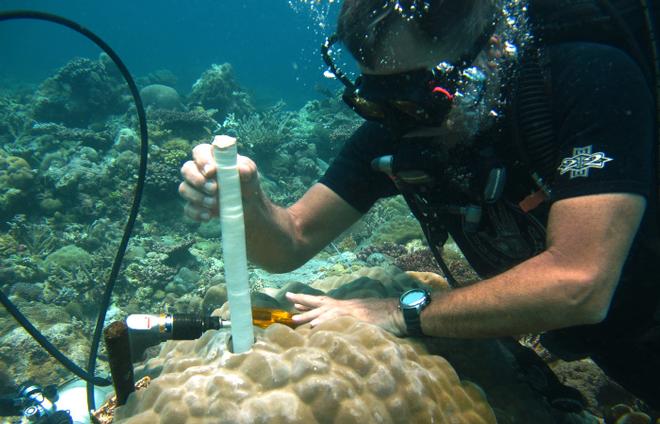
x,y
300,307
200,205
247,169
316,310
306,300
196,196
200,173
199,187
194,177
311,316
312,307
199,214
203,158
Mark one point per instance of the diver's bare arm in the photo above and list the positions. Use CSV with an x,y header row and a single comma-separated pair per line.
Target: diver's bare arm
x,y
571,283
280,240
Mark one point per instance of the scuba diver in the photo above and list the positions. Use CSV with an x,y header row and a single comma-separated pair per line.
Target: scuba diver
x,y
527,132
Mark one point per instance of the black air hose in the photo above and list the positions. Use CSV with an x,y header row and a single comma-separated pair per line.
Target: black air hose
x,y
535,118
105,300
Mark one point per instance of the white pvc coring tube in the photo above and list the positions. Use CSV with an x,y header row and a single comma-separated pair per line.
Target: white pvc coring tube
x,y
233,242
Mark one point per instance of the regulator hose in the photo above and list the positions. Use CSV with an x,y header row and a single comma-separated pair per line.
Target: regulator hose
x,y
89,376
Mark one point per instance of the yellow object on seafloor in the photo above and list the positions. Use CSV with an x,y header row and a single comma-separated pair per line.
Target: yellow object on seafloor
x,y
265,317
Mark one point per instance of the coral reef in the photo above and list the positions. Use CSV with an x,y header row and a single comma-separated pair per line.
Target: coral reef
x,y
342,371
604,397
164,175
420,260
218,90
126,140
400,230
83,92
328,124
69,258
159,96
484,362
48,265
73,175
15,121
66,332
44,138
261,134
16,178
195,124
270,139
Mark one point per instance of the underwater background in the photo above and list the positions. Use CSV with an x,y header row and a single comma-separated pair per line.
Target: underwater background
x,y
69,154
273,46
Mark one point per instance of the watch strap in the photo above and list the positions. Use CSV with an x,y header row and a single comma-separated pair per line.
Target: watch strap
x,y
413,321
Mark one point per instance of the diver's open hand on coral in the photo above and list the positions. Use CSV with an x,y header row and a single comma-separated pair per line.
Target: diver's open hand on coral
x,y
200,189
384,313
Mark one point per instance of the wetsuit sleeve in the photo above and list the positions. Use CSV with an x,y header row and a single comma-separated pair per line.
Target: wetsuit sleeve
x,y
603,110
350,174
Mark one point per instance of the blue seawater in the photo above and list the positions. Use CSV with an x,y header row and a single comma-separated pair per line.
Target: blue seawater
x,y
272,44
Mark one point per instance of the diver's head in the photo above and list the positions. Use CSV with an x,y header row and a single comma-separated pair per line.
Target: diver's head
x,y
413,55
394,36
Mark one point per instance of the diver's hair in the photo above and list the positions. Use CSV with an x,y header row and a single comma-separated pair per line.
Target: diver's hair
x,y
451,23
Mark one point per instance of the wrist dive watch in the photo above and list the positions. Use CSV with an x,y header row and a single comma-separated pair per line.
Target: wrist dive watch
x,y
411,304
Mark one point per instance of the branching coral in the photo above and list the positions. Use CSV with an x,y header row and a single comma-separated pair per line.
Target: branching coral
x,y
260,134
37,239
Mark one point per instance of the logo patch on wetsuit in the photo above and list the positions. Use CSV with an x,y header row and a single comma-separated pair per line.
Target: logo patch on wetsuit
x,y
582,161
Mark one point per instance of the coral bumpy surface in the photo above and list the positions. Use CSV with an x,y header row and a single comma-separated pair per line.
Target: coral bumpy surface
x,y
342,371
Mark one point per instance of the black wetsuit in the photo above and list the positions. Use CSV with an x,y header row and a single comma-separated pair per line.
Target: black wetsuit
x,y
603,119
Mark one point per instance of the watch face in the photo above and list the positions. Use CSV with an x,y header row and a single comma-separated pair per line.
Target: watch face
x,y
413,297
